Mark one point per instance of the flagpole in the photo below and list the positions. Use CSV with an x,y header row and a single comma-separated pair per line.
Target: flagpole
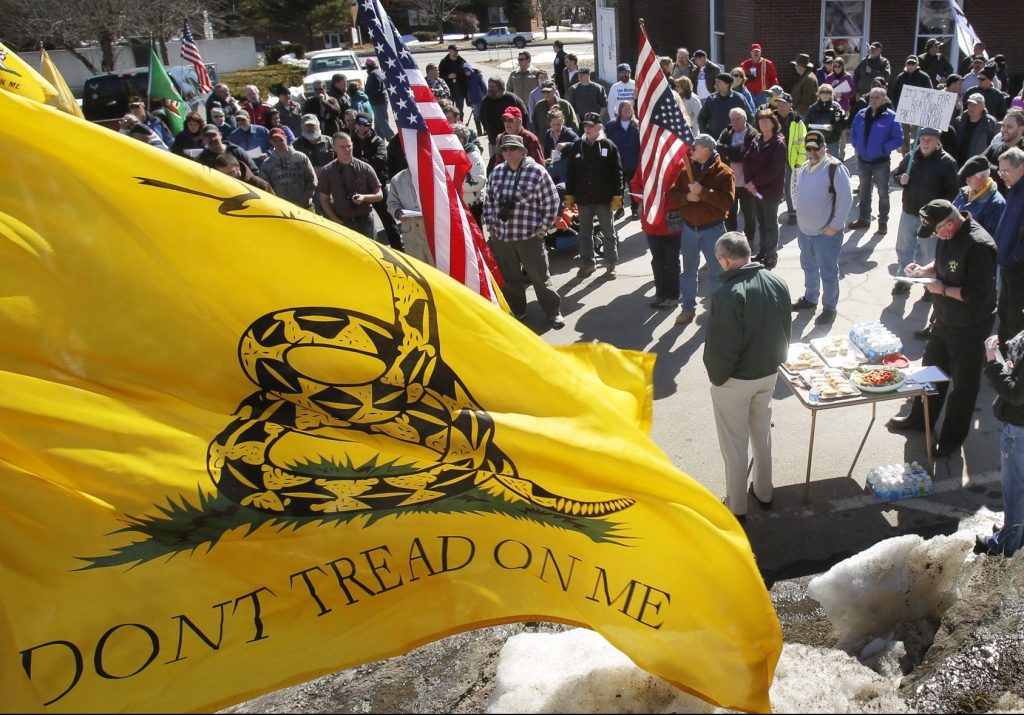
x,y
149,84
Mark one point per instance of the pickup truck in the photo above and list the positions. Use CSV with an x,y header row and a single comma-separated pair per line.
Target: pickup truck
x,y
501,36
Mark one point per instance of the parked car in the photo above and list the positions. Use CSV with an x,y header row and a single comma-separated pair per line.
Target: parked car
x,y
105,96
324,64
501,36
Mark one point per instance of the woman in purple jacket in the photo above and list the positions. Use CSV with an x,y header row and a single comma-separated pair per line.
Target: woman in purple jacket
x,y
764,169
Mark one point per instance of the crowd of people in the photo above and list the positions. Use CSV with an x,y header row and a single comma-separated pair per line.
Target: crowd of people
x,y
560,141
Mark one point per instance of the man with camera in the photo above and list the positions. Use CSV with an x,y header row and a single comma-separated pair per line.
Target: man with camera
x,y
520,205
347,188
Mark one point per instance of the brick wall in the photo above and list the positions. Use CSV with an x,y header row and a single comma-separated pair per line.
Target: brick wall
x,y
786,28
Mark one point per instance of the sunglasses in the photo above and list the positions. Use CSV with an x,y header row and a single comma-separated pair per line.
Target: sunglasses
x,y
738,76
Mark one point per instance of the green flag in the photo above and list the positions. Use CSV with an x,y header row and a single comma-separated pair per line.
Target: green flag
x,y
161,87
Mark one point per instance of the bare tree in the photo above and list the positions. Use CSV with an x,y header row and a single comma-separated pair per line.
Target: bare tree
x,y
164,20
550,10
439,11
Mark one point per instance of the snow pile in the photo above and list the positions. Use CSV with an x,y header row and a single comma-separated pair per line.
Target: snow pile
x,y
882,603
896,581
579,671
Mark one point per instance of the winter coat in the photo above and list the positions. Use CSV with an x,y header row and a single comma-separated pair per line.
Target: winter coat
x,y
374,151
885,137
476,85
931,177
750,326
805,92
917,78
830,114
627,141
594,171
714,115
491,109
716,198
984,132
764,165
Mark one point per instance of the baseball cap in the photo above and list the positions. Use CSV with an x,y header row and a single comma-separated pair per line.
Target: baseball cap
x,y
876,45
929,132
786,97
278,132
755,46
310,119
776,89
705,140
547,86
209,129
513,113
371,61
241,114
453,47
814,139
934,213
911,59
363,120
932,42
724,77
512,140
591,118
699,53
988,71
622,67
976,98
953,78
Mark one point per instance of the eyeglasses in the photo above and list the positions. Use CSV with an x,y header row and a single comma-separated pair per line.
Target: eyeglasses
x,y
1004,172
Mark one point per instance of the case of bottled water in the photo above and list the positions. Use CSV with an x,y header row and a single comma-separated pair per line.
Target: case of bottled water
x,y
875,340
900,481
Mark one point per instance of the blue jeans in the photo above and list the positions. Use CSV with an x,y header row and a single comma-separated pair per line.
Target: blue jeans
x,y
819,257
695,242
380,122
608,239
877,174
1011,452
910,248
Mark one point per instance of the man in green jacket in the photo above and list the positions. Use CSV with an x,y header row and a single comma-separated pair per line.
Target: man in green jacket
x,y
748,338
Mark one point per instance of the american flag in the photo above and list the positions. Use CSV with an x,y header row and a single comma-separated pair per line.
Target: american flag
x,y
665,137
435,157
190,53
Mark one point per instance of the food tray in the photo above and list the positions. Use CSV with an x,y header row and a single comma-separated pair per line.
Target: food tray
x,y
832,382
839,351
795,362
902,378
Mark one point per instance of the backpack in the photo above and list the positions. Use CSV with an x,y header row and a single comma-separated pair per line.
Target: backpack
x,y
833,167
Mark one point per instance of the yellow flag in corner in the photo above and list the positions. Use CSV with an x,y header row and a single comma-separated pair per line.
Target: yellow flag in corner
x,y
241,447
65,99
18,77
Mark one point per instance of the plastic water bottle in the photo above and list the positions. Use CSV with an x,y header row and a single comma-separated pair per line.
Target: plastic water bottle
x,y
815,396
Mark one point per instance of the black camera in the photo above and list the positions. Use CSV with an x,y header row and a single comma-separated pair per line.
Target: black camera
x,y
505,208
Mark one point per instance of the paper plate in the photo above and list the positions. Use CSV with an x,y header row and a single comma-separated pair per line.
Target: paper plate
x,y
896,360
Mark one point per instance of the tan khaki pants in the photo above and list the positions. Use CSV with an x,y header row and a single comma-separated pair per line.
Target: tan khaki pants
x,y
743,415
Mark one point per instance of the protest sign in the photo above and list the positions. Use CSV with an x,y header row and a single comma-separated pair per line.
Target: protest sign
x,y
925,107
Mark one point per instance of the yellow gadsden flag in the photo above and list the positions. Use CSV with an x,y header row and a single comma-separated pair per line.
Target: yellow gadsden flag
x,y
241,447
65,99
18,77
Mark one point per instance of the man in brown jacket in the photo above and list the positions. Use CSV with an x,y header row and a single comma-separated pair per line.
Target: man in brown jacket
x,y
703,195
805,89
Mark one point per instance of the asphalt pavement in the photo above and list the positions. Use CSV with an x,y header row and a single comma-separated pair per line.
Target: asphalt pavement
x,y
843,517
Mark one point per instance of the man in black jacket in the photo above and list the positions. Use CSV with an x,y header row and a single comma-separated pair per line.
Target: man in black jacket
x,y
493,106
594,182
452,71
963,290
559,67
934,63
376,90
372,149
927,173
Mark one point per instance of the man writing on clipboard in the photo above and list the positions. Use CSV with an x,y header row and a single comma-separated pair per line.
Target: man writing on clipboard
x,y
963,290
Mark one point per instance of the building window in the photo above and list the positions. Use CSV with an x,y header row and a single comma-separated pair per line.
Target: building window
x,y
717,50
497,16
935,19
418,18
844,28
